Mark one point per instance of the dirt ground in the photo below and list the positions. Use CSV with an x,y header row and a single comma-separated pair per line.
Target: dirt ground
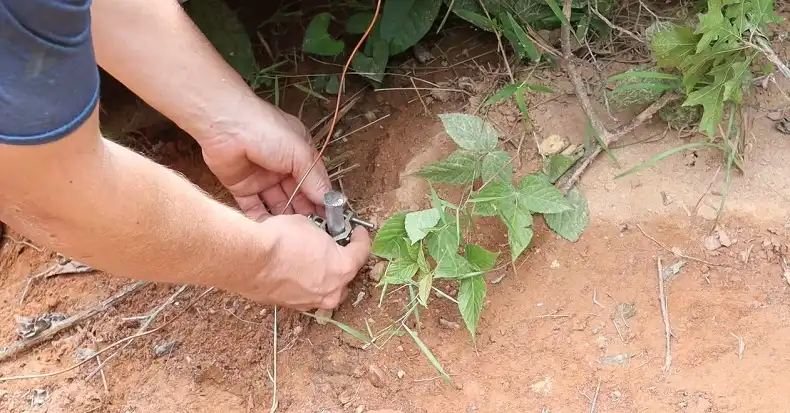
x,y
551,338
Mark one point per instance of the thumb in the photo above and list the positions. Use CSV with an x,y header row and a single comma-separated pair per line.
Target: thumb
x,y
357,251
316,183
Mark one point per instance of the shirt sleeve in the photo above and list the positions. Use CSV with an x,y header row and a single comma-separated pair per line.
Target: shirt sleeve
x,y
49,81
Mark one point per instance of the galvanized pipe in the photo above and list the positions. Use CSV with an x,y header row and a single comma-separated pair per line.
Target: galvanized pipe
x,y
335,203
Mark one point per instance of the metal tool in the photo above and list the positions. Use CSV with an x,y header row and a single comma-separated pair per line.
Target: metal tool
x,y
339,221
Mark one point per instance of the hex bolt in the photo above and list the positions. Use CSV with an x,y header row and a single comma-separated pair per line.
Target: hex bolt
x,y
335,203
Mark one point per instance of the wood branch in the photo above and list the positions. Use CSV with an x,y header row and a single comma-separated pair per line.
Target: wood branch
x,y
607,137
22,346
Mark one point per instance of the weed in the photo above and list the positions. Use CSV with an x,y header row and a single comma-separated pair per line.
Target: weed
x,y
431,244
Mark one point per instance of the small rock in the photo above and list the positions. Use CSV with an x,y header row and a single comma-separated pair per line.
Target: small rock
x,y
624,311
422,54
376,376
401,373
377,271
600,341
617,359
370,116
666,198
712,242
553,145
322,315
555,264
724,239
399,348
360,297
542,387
359,409
616,394
164,348
450,325
704,269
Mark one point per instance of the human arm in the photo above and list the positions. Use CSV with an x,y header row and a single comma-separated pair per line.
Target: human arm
x,y
257,151
64,186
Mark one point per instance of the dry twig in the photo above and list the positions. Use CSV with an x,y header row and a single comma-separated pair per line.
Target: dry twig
x,y
56,328
665,316
595,398
142,329
111,346
606,136
664,246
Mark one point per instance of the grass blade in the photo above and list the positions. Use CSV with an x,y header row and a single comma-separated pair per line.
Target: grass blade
x,y
642,75
350,330
425,350
652,161
649,86
503,93
555,8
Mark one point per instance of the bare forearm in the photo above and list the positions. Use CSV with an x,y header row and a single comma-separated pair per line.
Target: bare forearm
x,y
154,49
101,203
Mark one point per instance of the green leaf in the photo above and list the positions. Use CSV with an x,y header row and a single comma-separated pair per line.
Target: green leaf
x,y
317,39
503,93
444,240
459,168
538,195
570,224
333,85
427,352
372,66
471,294
518,38
399,271
478,20
762,13
390,240
418,223
426,278
359,23
537,88
555,8
405,22
653,160
497,166
673,45
712,26
728,80
452,267
490,199
226,33
470,132
519,240
480,258
556,165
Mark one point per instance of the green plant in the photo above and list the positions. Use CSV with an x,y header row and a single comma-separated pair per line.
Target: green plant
x,y
432,244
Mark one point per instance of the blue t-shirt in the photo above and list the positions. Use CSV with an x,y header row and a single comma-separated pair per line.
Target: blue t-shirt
x,y
49,81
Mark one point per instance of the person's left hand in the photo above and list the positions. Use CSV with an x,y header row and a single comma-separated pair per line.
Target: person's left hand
x,y
262,158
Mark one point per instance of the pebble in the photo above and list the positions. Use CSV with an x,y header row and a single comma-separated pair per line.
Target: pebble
x,y
724,238
376,376
401,373
377,271
542,387
321,316
712,242
450,325
704,269
422,54
553,145
370,116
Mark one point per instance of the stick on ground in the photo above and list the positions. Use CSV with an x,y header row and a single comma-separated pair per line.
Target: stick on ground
x,y
607,137
22,346
665,316
142,329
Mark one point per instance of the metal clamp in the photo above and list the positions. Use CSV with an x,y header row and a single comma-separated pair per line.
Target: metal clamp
x,y
339,222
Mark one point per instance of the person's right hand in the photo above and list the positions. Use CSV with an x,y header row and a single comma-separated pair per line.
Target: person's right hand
x,y
305,268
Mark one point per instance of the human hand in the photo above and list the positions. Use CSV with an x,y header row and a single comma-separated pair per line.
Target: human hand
x,y
306,269
261,156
